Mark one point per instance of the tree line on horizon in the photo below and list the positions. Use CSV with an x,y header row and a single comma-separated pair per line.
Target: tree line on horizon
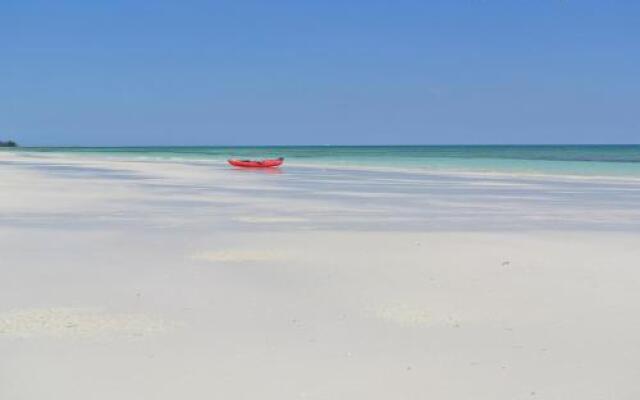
x,y
8,143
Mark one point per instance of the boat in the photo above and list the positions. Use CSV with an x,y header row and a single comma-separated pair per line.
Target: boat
x,y
268,163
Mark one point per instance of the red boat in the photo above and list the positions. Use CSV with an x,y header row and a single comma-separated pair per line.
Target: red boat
x,y
257,163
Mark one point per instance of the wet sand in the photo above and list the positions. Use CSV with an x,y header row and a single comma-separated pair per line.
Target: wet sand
x,y
157,280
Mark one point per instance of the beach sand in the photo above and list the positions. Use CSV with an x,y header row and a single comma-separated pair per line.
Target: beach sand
x,y
123,279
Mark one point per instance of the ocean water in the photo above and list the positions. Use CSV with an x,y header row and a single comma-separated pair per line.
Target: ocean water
x,y
566,160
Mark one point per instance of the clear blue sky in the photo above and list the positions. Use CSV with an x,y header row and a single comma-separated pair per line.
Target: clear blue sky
x,y
129,72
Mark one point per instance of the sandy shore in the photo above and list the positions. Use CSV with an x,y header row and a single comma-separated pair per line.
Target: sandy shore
x,y
151,280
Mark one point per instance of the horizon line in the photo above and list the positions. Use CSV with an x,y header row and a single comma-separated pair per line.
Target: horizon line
x,y
320,145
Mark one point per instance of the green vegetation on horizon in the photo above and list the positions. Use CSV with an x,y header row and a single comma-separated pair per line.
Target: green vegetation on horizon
x,y
8,143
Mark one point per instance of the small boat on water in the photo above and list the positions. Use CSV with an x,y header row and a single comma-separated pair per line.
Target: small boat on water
x,y
269,163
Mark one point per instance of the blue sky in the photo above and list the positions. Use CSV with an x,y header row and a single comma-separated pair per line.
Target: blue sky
x,y
331,72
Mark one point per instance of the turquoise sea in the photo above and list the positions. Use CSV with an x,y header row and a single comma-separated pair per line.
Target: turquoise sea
x,y
570,160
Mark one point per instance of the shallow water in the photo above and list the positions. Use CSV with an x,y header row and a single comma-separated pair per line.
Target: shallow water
x,y
305,198
568,160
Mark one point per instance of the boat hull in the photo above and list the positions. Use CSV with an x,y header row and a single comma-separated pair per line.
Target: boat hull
x,y
256,163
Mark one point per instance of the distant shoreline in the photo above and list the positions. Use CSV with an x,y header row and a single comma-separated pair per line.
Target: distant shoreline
x,y
8,143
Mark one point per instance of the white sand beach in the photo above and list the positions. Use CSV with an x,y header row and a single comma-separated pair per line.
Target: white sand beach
x,y
126,279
